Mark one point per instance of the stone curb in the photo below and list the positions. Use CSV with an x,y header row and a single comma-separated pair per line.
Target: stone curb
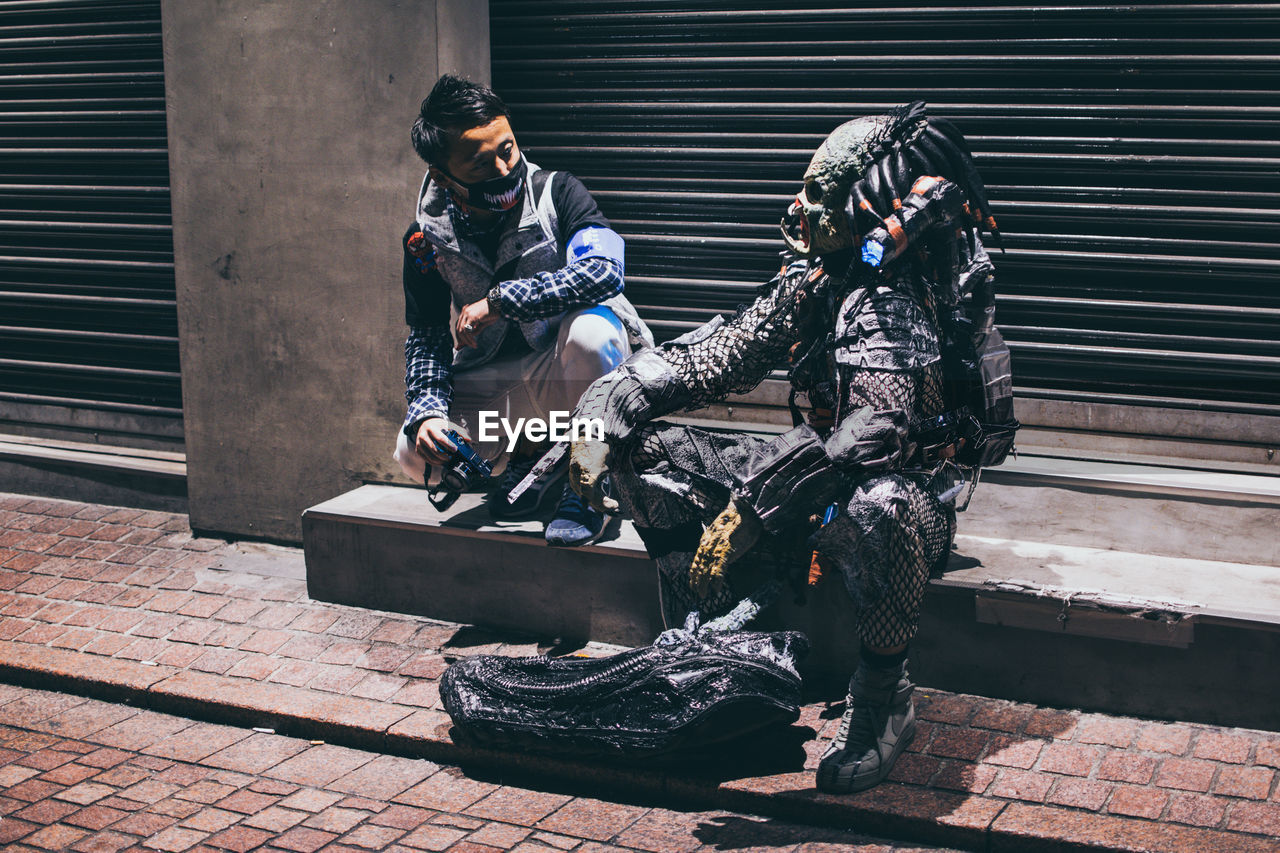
x,y
936,817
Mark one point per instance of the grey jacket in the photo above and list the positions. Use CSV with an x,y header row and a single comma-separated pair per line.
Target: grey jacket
x,y
535,241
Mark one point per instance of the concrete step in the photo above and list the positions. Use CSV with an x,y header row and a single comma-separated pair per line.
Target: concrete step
x,y
386,547
1172,510
120,476
1072,590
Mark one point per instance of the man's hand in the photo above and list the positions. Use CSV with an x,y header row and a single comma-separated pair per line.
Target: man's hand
x,y
472,319
588,463
730,535
431,443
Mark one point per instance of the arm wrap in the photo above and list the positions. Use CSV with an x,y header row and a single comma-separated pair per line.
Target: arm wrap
x,y
640,389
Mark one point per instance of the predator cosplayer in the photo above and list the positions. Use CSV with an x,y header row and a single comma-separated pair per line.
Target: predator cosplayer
x,y
882,315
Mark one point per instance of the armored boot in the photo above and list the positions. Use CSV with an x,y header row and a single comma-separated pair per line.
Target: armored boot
x,y
877,725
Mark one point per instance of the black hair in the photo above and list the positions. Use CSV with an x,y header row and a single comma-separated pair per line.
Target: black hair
x,y
454,105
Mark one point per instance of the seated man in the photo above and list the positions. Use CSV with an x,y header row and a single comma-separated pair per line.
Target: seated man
x,y
533,276
882,316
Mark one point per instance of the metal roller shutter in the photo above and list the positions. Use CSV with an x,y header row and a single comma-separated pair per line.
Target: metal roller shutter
x,y
88,318
1131,153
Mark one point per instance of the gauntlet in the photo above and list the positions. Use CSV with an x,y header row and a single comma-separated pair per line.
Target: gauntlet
x,y
641,388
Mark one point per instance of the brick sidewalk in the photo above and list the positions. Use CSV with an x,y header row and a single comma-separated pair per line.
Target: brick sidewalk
x,y
84,775
125,604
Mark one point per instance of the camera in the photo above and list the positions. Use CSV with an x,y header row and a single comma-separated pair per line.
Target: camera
x,y
464,469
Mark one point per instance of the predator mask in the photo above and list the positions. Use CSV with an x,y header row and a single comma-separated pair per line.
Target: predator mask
x,y
860,172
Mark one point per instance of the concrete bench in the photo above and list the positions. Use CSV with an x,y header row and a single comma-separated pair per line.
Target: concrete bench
x,y
1101,587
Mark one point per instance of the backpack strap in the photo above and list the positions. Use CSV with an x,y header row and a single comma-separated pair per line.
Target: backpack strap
x,y
540,180
544,201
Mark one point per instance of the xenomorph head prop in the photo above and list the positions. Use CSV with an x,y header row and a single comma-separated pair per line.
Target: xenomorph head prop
x,y
860,173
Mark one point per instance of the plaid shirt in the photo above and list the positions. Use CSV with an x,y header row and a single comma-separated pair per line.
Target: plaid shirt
x,y
428,350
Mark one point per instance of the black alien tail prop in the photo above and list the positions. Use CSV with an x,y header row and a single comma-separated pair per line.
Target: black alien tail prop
x,y
694,687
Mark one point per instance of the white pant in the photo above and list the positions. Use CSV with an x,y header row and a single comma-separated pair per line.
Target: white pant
x,y
592,342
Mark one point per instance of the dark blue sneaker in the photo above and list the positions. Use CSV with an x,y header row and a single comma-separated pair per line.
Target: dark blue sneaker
x,y
532,498
576,523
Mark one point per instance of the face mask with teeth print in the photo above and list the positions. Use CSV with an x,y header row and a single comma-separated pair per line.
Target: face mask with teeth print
x,y
496,195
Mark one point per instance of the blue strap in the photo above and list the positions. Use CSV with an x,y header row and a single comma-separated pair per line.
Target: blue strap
x,y
596,242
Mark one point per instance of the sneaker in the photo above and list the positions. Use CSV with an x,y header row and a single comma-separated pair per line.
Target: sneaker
x,y
877,725
531,499
576,522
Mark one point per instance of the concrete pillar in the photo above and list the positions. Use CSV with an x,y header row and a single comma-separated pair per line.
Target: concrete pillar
x,y
293,179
